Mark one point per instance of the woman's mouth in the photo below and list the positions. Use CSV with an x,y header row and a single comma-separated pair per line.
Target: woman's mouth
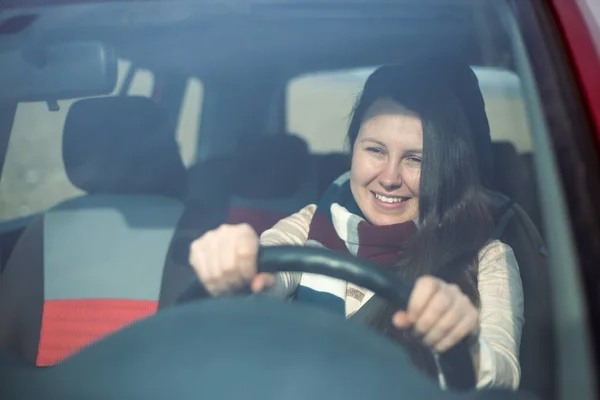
x,y
389,201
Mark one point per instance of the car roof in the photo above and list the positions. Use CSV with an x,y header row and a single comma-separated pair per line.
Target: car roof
x,y
215,37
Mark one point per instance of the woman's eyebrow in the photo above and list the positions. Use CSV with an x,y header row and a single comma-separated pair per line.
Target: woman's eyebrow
x,y
374,141
380,143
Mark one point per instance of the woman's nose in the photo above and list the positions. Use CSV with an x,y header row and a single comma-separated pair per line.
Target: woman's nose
x,y
390,177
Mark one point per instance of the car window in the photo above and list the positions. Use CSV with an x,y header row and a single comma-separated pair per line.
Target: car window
x,y
188,124
319,105
34,179
266,72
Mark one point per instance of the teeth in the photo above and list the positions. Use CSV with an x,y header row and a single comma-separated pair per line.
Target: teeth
x,y
389,199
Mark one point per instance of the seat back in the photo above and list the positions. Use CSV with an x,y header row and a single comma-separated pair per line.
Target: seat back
x,y
274,177
103,262
93,264
514,177
265,180
515,228
329,167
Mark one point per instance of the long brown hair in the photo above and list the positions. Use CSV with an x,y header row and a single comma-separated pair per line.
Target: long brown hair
x,y
455,220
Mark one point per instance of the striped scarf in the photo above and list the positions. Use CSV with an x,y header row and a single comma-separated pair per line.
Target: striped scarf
x,y
339,225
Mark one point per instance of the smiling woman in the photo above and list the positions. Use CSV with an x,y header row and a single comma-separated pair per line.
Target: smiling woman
x,y
412,202
411,141
386,163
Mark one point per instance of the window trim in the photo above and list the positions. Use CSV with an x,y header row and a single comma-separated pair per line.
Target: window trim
x,y
575,174
7,118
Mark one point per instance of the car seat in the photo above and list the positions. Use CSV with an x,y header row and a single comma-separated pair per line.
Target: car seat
x,y
93,264
514,176
266,179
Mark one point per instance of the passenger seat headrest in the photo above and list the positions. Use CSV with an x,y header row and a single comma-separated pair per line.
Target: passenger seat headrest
x,y
270,166
122,145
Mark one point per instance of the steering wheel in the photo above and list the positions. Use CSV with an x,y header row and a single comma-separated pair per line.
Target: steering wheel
x,y
456,364
251,348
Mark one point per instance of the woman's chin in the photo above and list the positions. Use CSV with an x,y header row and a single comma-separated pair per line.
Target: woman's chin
x,y
390,221
381,219
390,215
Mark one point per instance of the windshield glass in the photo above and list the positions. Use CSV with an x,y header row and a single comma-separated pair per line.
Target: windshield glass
x,y
131,129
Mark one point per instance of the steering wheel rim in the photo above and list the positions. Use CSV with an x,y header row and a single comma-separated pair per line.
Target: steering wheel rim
x,y
456,364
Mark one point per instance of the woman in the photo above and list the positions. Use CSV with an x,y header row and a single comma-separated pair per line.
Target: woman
x,y
411,202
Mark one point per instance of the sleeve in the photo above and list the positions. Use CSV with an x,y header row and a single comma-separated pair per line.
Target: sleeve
x,y
501,317
292,230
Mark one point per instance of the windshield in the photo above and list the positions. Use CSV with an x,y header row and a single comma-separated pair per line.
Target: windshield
x,y
130,129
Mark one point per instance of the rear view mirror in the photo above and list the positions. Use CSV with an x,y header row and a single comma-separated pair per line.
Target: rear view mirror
x,y
57,71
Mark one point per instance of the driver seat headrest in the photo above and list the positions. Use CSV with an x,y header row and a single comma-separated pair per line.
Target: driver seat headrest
x,y
270,166
122,145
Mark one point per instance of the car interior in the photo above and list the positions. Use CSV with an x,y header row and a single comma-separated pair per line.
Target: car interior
x,y
212,119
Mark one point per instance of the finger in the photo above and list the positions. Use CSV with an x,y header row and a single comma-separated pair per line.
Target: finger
x,y
230,275
261,282
197,259
460,307
443,326
468,325
247,252
400,320
215,270
424,290
435,309
201,265
247,245
206,261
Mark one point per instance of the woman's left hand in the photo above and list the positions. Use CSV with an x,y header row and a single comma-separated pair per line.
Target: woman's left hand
x,y
440,313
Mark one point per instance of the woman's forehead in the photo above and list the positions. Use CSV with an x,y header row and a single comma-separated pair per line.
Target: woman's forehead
x,y
386,105
391,123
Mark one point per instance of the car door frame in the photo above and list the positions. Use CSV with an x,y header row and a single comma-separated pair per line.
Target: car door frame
x,y
563,58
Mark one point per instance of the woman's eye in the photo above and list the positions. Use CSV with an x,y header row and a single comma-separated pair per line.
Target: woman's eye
x,y
414,160
375,150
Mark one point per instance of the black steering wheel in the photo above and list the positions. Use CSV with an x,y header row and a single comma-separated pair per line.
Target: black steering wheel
x,y
252,348
456,364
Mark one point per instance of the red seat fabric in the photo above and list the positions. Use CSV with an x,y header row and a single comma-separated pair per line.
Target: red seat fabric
x,y
70,325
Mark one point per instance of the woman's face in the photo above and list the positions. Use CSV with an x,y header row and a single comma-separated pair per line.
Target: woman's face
x,y
386,164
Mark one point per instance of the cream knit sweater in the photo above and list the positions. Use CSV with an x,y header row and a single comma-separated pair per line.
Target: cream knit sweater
x,y
500,290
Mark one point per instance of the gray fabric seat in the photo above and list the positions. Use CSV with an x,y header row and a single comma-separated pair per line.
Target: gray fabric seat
x,y
514,176
265,180
94,263
515,228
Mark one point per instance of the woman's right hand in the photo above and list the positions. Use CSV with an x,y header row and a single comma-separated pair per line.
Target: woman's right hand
x,y
225,260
